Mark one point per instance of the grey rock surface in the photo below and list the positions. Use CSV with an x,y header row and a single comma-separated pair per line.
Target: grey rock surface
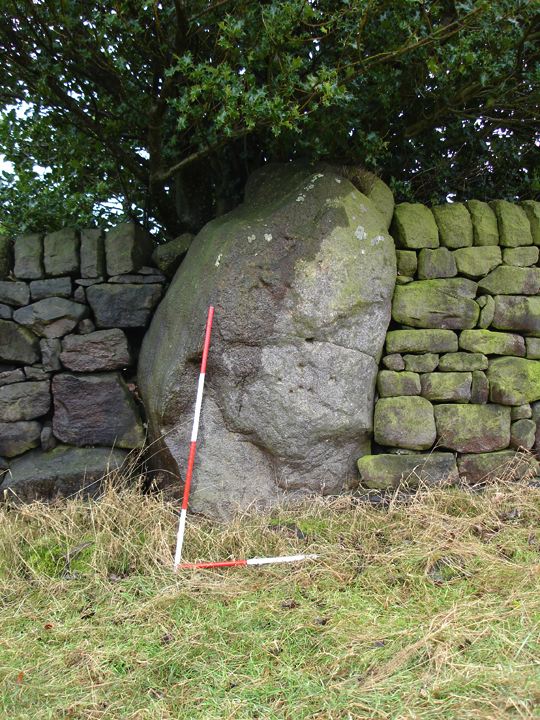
x,y
389,471
92,253
168,256
18,437
127,248
17,344
50,353
9,377
61,253
6,254
29,257
51,317
24,401
123,306
6,312
302,276
14,293
39,289
101,350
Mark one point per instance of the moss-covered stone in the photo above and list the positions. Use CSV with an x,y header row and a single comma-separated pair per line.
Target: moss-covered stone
x,y
487,311
436,304
6,259
516,312
455,225
420,341
437,263
533,348
513,224
403,280
521,412
473,428
414,227
514,381
454,386
479,388
405,422
29,257
532,210
407,262
522,434
486,467
492,343
463,362
393,384
484,221
394,361
521,256
475,262
384,472
167,257
427,362
507,280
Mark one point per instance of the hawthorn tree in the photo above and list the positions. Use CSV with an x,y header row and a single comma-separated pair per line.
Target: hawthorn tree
x,y
162,108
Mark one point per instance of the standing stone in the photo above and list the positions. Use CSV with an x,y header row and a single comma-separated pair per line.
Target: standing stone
x,y
92,253
6,252
404,422
167,257
391,384
438,263
385,472
501,465
14,293
514,381
521,256
522,434
532,210
60,287
128,246
414,227
463,362
436,304
514,227
123,305
407,262
24,401
101,350
50,354
479,388
475,262
517,313
533,348
394,362
29,257
420,341
507,280
51,317
95,410
486,304
473,428
427,362
18,437
292,383
492,343
17,344
61,253
454,386
484,220
454,223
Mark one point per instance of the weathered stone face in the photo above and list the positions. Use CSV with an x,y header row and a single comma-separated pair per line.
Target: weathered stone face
x,y
463,362
475,262
61,253
438,263
414,227
391,384
419,341
487,311
300,324
82,411
514,381
522,434
59,287
394,362
383,472
532,211
24,401
492,343
407,262
17,344
92,253
479,388
514,227
486,467
454,386
455,226
167,257
517,313
52,317
521,256
101,350
506,280
29,257
473,428
421,363
436,304
123,306
127,248
18,437
6,251
14,293
404,422
484,220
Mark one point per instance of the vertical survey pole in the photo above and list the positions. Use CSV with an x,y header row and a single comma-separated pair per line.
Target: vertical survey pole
x,y
193,444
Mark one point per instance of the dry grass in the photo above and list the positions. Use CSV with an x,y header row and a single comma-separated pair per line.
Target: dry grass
x,y
424,610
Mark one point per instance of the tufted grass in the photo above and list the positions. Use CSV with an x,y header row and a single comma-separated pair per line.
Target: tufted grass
x,y
424,610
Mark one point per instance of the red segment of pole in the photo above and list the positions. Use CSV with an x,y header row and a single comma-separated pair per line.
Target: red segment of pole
x,y
206,565
206,347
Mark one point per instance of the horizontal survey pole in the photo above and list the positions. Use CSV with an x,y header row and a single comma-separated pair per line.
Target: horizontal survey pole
x,y
249,561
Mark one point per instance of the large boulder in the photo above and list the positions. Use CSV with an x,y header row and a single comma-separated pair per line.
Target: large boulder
x,y
302,276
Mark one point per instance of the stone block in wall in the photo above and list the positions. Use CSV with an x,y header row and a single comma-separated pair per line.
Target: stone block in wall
x,y
455,225
463,362
51,287
62,471
123,305
392,384
8,377
521,256
437,263
472,428
407,262
167,257
24,401
447,386
6,256
501,465
532,210
394,362
85,326
18,437
513,224
50,353
52,317
533,348
492,343
139,278
513,380
127,247
17,344
101,350
436,304
420,341
95,410
427,362
507,280
14,293
6,312
522,434
88,282
92,253
414,227
403,279
521,412
61,253
484,221
47,439
29,257
404,422
486,303
79,295
479,388
515,312
36,372
475,262
384,472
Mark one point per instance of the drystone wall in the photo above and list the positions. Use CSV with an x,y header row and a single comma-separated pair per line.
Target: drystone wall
x,y
459,383
73,310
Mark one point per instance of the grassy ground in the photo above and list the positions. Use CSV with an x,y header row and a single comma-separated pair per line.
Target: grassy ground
x,y
430,610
